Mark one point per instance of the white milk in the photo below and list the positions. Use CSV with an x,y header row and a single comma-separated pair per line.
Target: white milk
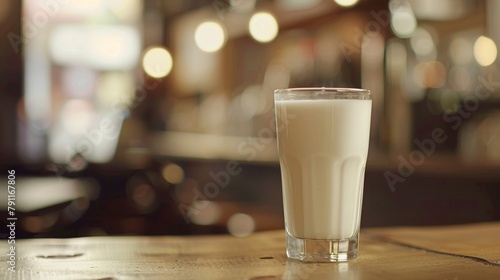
x,y
323,145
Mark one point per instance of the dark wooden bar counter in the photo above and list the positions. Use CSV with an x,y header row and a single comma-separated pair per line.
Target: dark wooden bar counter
x,y
447,252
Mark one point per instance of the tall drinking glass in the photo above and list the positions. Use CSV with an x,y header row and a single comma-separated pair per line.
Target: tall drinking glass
x,y
323,136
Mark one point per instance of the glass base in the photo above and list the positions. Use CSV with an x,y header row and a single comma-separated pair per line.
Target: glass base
x,y
322,250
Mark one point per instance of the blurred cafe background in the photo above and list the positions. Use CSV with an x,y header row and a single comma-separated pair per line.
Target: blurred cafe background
x,y
156,116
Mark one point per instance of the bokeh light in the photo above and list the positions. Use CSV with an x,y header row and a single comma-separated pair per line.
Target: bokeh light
x,y
263,27
346,3
485,51
423,44
210,36
241,225
210,214
143,196
157,62
403,22
430,74
173,173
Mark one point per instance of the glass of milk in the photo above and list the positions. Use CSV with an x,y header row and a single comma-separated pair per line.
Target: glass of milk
x,y
323,136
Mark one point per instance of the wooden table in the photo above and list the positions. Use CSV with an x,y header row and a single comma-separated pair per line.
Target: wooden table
x,y
445,253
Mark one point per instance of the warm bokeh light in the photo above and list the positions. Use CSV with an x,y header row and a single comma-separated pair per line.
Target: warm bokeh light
x,y
143,196
241,225
157,62
461,52
430,74
210,215
485,51
173,173
263,27
210,36
346,3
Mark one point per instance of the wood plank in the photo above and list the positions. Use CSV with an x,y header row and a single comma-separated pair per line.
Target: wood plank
x,y
480,240
258,257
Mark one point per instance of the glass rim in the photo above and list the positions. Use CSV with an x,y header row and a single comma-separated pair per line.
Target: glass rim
x,y
350,93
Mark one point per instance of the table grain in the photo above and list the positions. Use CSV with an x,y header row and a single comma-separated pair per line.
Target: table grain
x,y
446,252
